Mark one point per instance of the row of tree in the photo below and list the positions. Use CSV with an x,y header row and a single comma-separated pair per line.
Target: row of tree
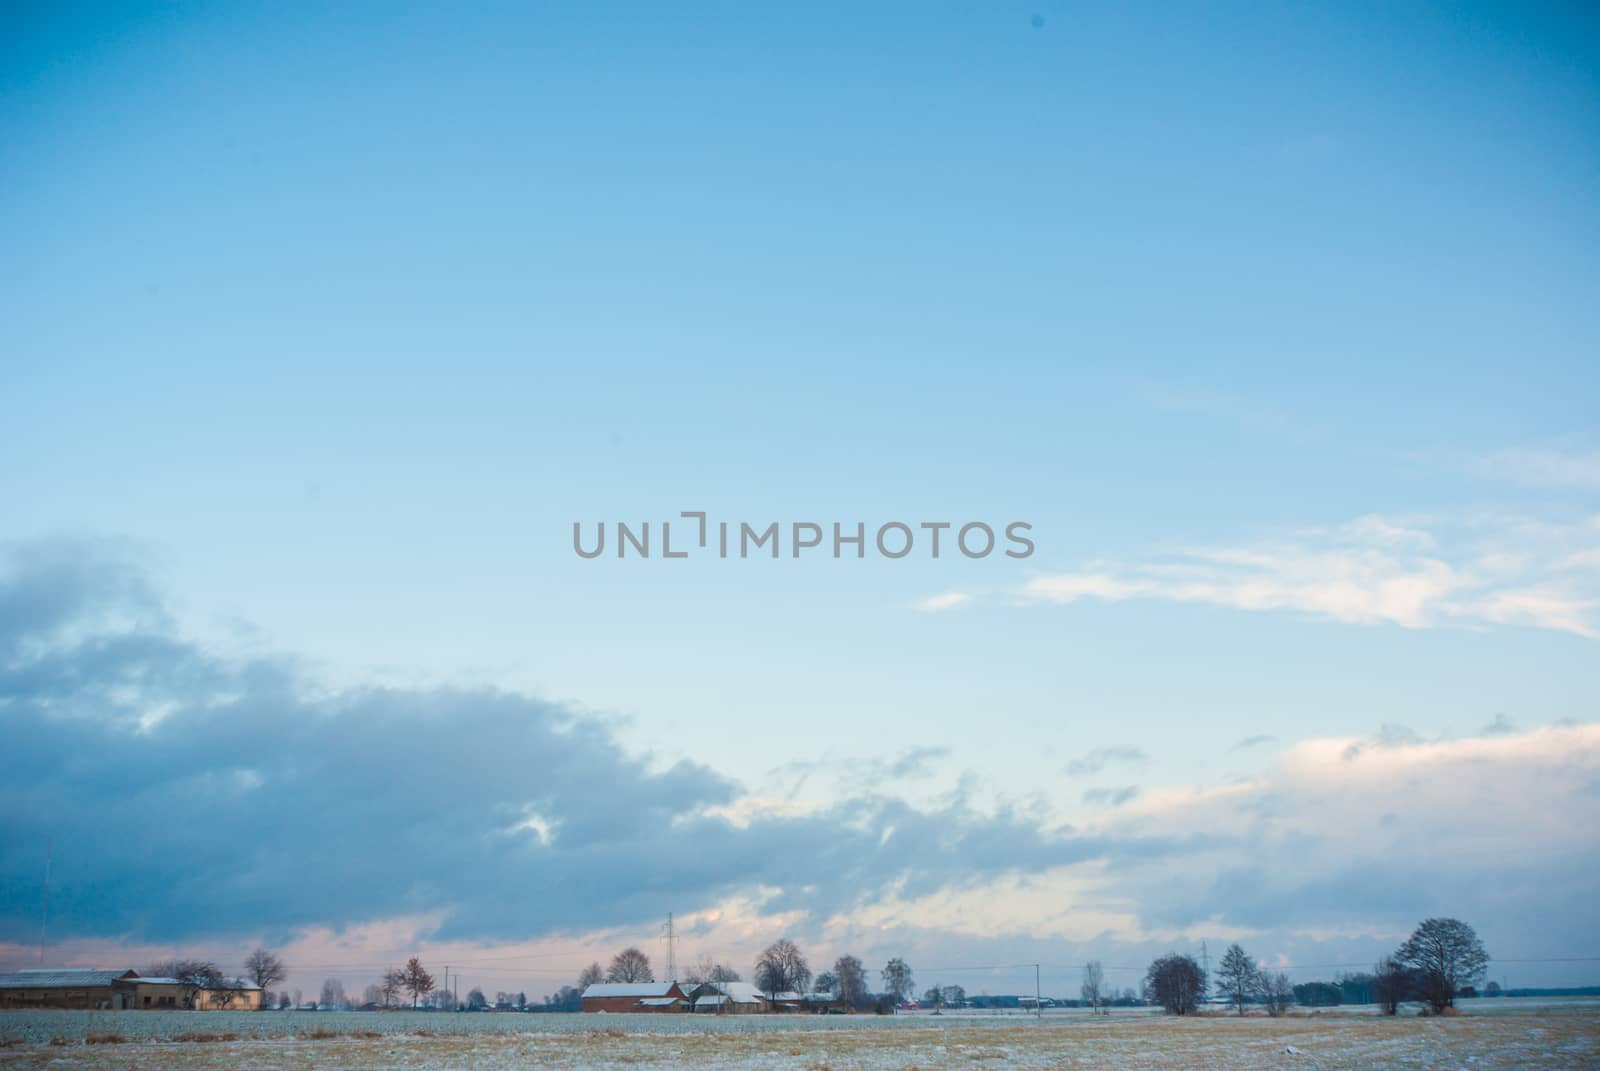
x,y
780,968
1441,959
266,969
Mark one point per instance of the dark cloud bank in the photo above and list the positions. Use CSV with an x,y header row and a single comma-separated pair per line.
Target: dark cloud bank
x,y
190,794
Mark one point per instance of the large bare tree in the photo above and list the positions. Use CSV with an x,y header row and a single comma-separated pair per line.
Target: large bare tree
x,y
782,968
1176,983
897,979
850,981
265,970
1446,955
630,965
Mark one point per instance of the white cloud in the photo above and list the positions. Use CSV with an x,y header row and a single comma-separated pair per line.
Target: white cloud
x,y
1499,571
947,601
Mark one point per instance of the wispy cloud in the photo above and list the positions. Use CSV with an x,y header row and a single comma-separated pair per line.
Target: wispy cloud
x,y
1253,741
1500,725
1100,758
1497,571
1223,406
947,601
1542,467
1111,797
853,774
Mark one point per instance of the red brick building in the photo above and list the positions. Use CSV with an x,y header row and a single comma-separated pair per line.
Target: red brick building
x,y
635,997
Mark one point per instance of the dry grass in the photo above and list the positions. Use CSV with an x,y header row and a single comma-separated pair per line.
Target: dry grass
x,y
1329,1043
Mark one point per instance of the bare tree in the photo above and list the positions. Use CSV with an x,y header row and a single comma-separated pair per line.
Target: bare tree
x,y
418,982
1094,985
1237,977
706,969
372,995
952,996
192,974
393,984
826,982
1446,955
630,965
332,993
1276,992
850,984
897,979
265,970
593,974
781,968
1390,983
700,970
1176,983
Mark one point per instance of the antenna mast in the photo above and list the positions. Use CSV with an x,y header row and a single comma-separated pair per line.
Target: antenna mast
x,y
672,951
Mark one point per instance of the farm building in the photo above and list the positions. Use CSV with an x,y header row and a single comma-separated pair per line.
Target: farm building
x,y
727,998
90,988
142,993
717,998
743,998
635,997
117,990
65,988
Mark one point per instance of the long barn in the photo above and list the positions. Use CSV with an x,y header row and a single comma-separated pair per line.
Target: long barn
x,y
635,997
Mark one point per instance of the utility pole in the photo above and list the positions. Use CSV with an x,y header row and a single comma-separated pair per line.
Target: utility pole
x,y
44,916
447,983
1205,972
1038,1004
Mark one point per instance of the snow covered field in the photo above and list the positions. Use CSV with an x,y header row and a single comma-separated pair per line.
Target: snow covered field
x,y
1538,1034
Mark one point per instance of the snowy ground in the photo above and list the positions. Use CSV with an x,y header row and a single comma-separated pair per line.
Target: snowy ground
x,y
1544,1036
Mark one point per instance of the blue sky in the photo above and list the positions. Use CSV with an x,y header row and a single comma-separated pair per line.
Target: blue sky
x,y
324,326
